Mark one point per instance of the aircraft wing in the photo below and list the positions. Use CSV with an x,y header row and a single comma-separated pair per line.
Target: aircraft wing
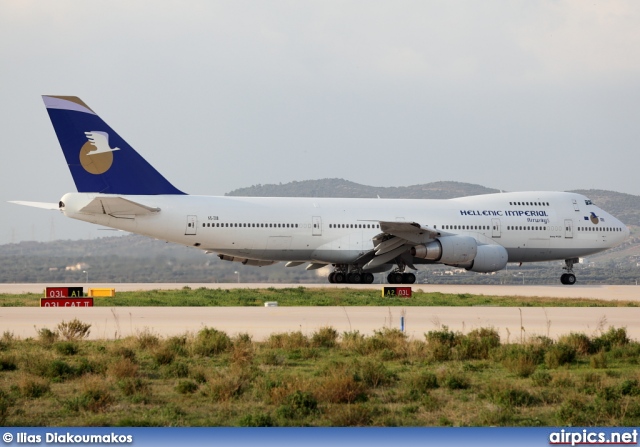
x,y
411,231
117,207
395,241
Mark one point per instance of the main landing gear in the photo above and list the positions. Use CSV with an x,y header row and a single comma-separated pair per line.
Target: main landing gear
x,y
397,277
568,278
341,276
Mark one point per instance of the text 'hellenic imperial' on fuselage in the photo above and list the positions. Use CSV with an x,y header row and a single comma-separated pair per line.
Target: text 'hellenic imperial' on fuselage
x,y
118,188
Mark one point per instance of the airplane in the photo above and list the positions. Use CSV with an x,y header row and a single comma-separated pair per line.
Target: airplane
x,y
117,188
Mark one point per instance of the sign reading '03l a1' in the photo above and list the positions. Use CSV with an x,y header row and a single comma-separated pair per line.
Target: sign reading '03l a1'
x,y
63,292
400,292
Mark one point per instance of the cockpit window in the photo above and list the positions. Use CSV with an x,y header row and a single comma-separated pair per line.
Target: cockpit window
x,y
588,202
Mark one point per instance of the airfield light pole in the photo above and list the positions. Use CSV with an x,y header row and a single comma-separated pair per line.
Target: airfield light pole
x,y
238,273
86,277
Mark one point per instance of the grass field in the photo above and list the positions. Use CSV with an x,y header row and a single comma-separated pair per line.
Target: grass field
x,y
301,296
325,379
207,378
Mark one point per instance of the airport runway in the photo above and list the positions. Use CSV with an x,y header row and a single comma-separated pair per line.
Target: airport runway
x,y
604,292
260,322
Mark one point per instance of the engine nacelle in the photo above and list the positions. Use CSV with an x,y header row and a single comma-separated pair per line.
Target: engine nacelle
x,y
452,250
490,258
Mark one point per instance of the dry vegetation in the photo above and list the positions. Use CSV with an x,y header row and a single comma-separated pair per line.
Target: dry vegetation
x,y
323,379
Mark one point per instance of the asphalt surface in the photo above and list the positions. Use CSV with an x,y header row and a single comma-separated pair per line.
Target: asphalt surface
x,y
513,324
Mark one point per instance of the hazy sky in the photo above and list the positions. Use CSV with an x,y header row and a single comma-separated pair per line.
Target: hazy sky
x,y
217,95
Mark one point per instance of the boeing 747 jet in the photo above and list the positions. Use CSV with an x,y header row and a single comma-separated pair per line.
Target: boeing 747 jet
x,y
118,188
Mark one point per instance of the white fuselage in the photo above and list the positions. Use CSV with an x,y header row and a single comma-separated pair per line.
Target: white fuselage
x,y
531,226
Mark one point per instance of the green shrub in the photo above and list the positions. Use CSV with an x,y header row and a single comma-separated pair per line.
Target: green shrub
x,y
477,344
8,363
210,341
177,345
164,355
95,397
579,342
629,387
455,380
613,337
131,386
374,374
58,370
298,405
177,369
558,355
6,403
599,360
47,336
256,420
356,415
33,388
325,337
510,396
520,360
66,348
186,387
541,378
147,340
288,340
422,382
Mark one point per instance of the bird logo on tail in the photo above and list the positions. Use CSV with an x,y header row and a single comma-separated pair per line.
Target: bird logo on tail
x,y
96,155
101,141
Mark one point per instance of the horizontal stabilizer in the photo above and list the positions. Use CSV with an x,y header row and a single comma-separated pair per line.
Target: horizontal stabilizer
x,y
43,205
117,206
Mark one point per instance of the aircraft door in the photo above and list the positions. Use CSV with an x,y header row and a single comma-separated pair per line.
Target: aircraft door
x,y
192,221
316,226
495,228
568,228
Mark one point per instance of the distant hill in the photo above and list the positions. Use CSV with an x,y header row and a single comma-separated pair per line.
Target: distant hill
x,y
336,187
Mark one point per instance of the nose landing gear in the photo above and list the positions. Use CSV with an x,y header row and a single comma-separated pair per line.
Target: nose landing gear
x,y
568,278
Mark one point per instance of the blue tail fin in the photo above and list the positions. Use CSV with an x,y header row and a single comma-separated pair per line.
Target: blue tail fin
x,y
98,158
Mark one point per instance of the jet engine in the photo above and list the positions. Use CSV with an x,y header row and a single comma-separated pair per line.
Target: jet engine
x,y
452,250
489,258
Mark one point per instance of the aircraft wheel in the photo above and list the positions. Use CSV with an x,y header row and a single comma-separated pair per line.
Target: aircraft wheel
x,y
338,277
391,278
408,278
568,279
355,278
331,277
367,278
396,278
